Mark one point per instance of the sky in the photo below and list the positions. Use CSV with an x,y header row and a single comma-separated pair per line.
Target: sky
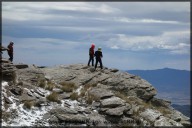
x,y
132,35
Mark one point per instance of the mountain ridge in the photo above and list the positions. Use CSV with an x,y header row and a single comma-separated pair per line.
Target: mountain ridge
x,y
77,95
168,81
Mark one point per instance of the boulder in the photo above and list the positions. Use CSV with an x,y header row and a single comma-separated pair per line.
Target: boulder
x,y
151,115
8,75
65,95
53,120
58,90
7,100
41,102
16,90
21,66
160,102
112,102
114,70
70,118
100,93
118,111
164,121
63,110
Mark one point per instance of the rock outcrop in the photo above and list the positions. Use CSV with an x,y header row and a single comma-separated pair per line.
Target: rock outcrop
x,y
76,95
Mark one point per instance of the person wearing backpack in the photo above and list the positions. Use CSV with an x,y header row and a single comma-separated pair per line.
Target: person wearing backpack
x,y
10,51
91,54
98,55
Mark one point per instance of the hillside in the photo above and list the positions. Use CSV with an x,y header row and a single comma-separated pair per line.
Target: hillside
x,y
76,95
171,84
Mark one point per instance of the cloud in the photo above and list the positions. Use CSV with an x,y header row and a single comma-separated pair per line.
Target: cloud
x,y
174,42
115,47
46,30
46,10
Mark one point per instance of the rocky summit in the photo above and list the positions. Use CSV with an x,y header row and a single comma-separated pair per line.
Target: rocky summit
x,y
77,95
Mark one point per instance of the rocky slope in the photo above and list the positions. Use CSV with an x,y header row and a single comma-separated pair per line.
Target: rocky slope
x,y
76,95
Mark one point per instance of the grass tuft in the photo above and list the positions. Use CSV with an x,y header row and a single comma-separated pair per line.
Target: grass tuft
x,y
28,104
74,96
91,98
53,97
68,86
42,83
50,86
85,88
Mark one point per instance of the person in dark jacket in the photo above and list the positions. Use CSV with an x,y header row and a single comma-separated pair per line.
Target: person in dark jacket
x,y
98,56
10,51
91,55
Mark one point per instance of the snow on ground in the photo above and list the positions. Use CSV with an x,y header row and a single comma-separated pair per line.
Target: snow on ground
x,y
28,117
3,85
79,90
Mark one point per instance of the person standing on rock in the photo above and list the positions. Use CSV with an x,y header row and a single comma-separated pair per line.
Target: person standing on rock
x,y
98,56
91,54
10,51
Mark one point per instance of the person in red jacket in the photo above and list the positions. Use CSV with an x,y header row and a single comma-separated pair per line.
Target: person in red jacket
x,y
10,51
91,54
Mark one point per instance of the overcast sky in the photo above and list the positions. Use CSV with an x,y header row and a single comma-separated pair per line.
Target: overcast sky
x,y
133,35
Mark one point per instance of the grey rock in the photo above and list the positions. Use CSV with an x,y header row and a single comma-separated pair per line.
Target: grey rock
x,y
96,119
126,121
58,90
7,100
71,77
69,118
129,112
185,123
118,111
65,95
176,115
53,119
21,66
47,77
112,102
37,95
63,110
16,90
26,97
100,93
8,75
40,92
96,104
114,70
160,102
92,69
164,121
150,114
29,93
41,102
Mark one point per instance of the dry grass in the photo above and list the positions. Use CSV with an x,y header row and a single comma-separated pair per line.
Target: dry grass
x,y
28,104
123,96
68,86
42,83
163,110
50,86
74,96
53,97
85,88
91,98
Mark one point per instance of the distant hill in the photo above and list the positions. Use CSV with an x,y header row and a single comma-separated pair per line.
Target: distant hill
x,y
185,109
171,84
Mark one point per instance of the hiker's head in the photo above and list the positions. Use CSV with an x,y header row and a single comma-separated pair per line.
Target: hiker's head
x,y
99,49
11,43
93,45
